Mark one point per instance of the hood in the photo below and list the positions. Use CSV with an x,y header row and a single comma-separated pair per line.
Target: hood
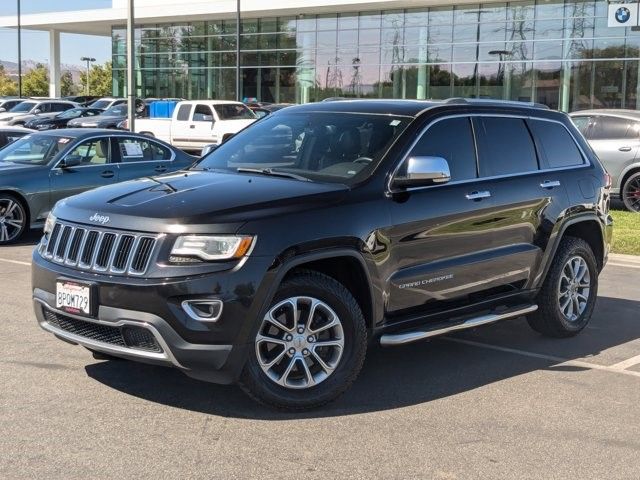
x,y
9,170
202,201
94,120
5,115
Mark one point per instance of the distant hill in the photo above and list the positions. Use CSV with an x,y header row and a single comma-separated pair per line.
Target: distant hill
x,y
27,65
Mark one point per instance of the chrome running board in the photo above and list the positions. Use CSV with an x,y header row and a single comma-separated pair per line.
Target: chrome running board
x,y
392,339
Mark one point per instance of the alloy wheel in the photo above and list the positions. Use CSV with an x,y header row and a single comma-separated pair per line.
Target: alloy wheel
x,y
632,194
12,219
300,342
574,288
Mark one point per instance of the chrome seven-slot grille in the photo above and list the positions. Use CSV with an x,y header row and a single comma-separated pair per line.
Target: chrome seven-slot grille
x,y
98,250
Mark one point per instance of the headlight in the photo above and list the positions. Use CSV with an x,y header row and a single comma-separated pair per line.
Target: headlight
x,y
214,247
48,225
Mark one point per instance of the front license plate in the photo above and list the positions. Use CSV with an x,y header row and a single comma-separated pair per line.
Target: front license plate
x,y
73,297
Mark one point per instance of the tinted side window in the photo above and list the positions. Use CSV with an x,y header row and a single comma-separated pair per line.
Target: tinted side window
x,y
44,107
61,107
183,113
582,123
135,149
202,113
556,144
611,128
505,147
451,139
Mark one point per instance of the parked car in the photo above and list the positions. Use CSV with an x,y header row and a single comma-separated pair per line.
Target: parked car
x,y
44,167
107,102
197,123
107,119
62,119
615,137
273,263
7,104
30,109
82,100
11,134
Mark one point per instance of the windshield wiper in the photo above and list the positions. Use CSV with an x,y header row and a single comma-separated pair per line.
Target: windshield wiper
x,y
272,172
167,185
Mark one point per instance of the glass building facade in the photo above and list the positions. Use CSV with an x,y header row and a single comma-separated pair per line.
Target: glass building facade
x,y
557,52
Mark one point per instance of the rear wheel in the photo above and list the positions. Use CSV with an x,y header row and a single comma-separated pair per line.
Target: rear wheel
x,y
568,295
13,219
309,347
631,193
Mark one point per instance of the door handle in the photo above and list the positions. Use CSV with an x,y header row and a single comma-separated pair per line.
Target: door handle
x,y
107,174
192,126
478,195
161,169
550,184
624,149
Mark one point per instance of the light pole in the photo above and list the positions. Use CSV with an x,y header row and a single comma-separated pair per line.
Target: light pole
x,y
19,53
238,51
89,60
131,56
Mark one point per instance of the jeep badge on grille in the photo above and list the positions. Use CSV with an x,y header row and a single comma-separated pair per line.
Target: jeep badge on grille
x,y
101,219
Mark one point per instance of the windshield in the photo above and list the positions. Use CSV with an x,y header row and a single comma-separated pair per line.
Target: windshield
x,y
100,104
23,107
325,147
34,149
73,113
234,111
117,111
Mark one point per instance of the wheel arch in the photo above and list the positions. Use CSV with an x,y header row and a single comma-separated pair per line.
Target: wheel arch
x,y
344,265
587,227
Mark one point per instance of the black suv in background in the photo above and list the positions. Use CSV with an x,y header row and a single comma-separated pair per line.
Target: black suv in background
x,y
279,256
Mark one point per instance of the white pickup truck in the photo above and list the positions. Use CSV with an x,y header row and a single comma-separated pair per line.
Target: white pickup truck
x,y
197,123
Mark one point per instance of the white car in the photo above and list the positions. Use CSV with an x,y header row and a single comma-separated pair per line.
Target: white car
x,y
107,102
30,109
197,123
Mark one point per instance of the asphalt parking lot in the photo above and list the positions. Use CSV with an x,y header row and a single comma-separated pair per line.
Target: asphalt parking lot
x,y
497,402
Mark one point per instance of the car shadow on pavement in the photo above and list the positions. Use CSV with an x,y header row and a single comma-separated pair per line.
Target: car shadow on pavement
x,y
394,377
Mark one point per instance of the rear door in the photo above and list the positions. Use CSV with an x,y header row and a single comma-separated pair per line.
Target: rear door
x,y
441,238
527,200
616,141
95,170
141,158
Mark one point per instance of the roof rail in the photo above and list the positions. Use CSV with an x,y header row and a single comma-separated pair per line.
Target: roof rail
x,y
491,101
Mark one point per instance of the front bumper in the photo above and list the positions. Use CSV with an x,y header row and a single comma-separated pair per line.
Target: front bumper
x,y
213,352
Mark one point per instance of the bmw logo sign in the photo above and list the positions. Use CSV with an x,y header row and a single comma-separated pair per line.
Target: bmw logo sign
x,y
623,14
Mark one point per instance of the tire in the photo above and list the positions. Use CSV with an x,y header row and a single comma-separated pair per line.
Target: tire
x,y
551,319
329,370
13,219
631,193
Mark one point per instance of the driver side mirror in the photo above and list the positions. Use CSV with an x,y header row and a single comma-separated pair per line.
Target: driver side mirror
x,y
37,111
70,161
423,171
2,109
207,149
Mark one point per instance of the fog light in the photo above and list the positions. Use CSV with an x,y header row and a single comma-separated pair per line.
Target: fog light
x,y
203,310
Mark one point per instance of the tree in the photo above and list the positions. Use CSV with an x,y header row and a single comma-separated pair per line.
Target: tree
x,y
100,80
35,83
67,87
7,85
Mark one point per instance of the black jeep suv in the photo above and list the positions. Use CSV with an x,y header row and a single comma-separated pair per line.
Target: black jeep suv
x,y
276,259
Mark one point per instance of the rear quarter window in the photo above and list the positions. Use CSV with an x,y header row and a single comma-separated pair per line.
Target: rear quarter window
x,y
557,145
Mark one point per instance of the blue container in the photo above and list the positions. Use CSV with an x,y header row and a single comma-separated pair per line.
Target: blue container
x,y
162,108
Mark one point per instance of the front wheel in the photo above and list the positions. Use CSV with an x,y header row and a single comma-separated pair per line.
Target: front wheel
x,y
309,347
13,219
568,295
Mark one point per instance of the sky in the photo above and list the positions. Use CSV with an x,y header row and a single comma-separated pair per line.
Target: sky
x,y
35,45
